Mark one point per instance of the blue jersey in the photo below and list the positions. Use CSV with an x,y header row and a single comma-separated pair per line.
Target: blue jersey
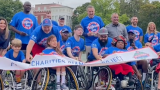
x,y
155,40
91,24
115,49
76,46
137,44
53,22
137,30
20,57
157,48
49,51
101,50
65,27
62,45
40,37
25,23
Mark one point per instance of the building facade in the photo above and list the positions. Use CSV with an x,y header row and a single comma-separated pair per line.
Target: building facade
x,y
56,10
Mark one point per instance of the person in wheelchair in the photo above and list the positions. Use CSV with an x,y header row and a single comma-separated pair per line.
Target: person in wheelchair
x,y
17,55
60,71
119,43
132,45
157,49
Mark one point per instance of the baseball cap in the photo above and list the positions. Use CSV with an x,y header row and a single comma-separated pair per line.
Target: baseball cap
x,y
103,31
131,31
46,22
64,30
61,17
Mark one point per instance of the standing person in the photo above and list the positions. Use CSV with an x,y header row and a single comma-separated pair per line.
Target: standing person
x,y
39,37
152,35
62,26
75,45
91,25
136,29
115,28
48,15
23,24
4,36
64,35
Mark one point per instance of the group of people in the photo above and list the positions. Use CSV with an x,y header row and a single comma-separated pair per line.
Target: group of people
x,y
51,37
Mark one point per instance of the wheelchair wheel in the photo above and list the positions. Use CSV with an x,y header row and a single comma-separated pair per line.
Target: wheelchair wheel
x,y
151,81
89,75
1,84
102,80
81,77
8,80
40,80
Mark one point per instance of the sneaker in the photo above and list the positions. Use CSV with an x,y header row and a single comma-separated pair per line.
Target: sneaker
x,y
19,86
58,87
64,87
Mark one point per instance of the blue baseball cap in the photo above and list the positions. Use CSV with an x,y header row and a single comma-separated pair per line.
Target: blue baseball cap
x,y
46,22
131,31
64,30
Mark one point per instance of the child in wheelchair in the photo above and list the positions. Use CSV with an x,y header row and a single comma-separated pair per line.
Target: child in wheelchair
x,y
121,70
17,55
60,71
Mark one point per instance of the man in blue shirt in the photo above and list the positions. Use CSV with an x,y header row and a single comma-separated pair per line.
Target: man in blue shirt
x,y
91,25
48,15
134,27
100,45
65,35
23,24
62,26
39,37
133,44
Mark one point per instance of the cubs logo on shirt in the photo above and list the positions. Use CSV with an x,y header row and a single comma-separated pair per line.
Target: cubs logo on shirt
x,y
54,53
75,51
93,26
130,48
154,41
62,48
27,23
102,52
137,35
43,42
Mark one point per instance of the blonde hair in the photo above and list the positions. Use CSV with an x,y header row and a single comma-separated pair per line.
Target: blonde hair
x,y
16,42
6,29
155,30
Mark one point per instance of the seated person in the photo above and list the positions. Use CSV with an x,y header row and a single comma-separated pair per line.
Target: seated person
x,y
132,45
17,55
75,45
120,70
100,45
60,71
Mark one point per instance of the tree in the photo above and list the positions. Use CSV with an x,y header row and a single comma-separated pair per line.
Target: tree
x,y
9,7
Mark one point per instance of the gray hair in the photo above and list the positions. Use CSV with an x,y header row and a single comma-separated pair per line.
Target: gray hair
x,y
89,6
113,14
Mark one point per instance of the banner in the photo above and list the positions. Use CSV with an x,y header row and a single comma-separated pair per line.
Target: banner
x,y
40,61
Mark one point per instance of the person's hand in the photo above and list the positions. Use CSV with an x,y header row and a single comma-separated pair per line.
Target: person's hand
x,y
22,34
96,34
158,53
76,58
104,56
41,54
148,44
133,45
29,58
90,33
4,51
139,76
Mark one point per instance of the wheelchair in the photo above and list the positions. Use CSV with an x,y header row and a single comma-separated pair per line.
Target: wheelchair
x,y
8,79
151,81
1,83
47,78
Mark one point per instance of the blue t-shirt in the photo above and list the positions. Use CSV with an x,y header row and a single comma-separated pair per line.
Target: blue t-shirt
x,y
91,24
137,30
40,37
49,51
137,44
62,45
76,46
101,50
157,47
65,27
154,41
53,22
25,23
112,49
20,57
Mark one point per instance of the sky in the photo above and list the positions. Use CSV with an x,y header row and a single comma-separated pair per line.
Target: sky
x,y
70,3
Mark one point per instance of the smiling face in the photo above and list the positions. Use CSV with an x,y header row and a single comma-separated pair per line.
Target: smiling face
x,y
2,25
53,42
91,12
134,21
120,44
27,7
115,18
47,29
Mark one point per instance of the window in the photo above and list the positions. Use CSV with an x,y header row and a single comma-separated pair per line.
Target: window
x,y
38,8
44,8
41,18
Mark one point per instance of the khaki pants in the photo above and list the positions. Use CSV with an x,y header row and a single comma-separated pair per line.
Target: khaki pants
x,y
88,50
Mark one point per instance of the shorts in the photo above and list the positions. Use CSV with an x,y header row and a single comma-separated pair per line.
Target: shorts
x,y
37,49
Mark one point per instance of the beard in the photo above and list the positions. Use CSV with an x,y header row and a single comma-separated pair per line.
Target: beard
x,y
103,44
